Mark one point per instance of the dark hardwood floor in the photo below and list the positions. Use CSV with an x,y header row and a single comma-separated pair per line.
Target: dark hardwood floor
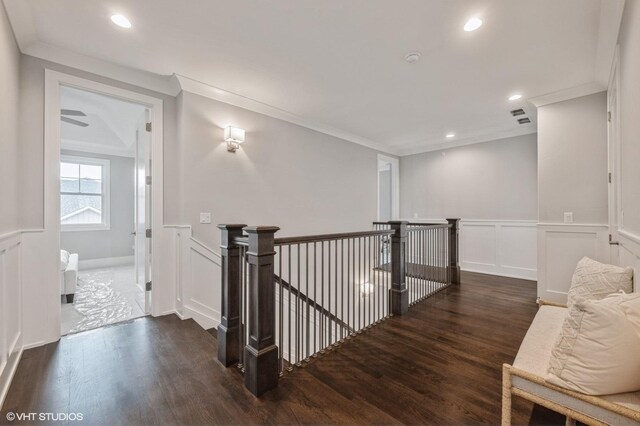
x,y
440,364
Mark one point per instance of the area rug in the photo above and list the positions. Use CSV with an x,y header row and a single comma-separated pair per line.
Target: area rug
x,y
98,302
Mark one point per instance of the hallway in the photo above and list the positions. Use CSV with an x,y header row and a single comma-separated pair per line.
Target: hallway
x,y
440,364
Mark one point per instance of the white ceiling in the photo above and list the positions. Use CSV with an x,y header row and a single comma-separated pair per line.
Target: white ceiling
x,y
112,123
340,65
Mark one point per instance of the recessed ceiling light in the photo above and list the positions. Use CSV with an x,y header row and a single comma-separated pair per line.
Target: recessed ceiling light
x,y
412,57
121,21
450,135
515,97
473,24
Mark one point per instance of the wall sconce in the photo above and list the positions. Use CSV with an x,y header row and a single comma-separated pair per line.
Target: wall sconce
x,y
233,136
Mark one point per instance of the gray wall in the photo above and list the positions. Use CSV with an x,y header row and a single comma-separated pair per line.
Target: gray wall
x,y
9,107
32,139
572,160
629,93
284,175
493,180
117,241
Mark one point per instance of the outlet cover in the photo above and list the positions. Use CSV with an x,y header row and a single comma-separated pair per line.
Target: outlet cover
x,y
205,217
568,217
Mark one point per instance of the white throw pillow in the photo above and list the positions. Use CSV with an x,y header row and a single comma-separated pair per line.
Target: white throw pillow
x,y
594,280
64,259
598,347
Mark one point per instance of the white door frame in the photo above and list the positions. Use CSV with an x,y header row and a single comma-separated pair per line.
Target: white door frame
x,y
53,81
613,153
395,185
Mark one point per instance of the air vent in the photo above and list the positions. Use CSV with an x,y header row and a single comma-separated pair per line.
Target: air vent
x,y
524,120
517,112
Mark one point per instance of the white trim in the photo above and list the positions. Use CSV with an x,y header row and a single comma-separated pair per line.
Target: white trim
x,y
566,94
203,89
478,136
629,235
608,31
395,185
9,371
106,262
573,225
51,237
95,148
106,195
555,270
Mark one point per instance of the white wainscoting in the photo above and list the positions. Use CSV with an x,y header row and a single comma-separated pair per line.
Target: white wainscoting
x,y
11,345
561,246
629,254
499,247
198,276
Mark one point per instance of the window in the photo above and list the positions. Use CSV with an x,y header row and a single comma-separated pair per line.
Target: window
x,y
84,194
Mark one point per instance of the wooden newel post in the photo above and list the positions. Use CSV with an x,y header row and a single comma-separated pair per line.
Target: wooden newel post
x,y
229,328
398,294
261,353
454,256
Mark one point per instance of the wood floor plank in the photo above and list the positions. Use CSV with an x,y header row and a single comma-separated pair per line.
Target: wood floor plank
x,y
440,364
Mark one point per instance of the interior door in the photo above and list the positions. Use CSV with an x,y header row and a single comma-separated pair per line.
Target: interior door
x,y
142,209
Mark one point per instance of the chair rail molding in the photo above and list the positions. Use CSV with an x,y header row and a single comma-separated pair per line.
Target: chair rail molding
x,y
560,247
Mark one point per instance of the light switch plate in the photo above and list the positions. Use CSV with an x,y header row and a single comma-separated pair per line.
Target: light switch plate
x,y
568,217
205,217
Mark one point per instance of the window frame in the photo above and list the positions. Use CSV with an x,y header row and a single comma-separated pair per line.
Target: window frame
x,y
105,225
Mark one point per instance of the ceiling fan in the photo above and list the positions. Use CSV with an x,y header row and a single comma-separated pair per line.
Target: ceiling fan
x,y
75,113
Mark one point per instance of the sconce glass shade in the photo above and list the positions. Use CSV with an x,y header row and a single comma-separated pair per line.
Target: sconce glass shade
x,y
234,136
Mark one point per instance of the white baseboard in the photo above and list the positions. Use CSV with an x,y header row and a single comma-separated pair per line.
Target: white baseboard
x,y
205,321
105,262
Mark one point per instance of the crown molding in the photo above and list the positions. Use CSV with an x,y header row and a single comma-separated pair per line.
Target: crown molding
x,y
203,89
566,94
481,136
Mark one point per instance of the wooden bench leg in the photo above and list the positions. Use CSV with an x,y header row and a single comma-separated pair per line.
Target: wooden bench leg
x,y
506,396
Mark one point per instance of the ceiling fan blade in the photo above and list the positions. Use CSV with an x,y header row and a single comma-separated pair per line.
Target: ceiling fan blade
x,y
72,112
75,122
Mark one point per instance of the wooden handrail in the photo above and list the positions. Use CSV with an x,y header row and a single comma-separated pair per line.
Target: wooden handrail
x,y
327,237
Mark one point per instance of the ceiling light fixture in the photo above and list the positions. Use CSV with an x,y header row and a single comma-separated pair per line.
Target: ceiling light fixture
x,y
515,97
473,24
412,57
121,21
450,135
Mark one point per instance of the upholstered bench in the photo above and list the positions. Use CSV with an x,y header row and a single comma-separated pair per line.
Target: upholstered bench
x,y
68,274
526,379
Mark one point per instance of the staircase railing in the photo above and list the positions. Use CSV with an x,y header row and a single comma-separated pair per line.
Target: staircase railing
x,y
285,301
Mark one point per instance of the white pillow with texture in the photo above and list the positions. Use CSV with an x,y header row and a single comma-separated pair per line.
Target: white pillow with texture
x,y
597,352
594,281
64,259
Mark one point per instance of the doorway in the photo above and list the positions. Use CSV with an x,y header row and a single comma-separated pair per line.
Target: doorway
x,y
105,210
388,188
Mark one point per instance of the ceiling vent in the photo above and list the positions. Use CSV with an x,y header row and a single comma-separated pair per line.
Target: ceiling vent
x,y
524,120
517,112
